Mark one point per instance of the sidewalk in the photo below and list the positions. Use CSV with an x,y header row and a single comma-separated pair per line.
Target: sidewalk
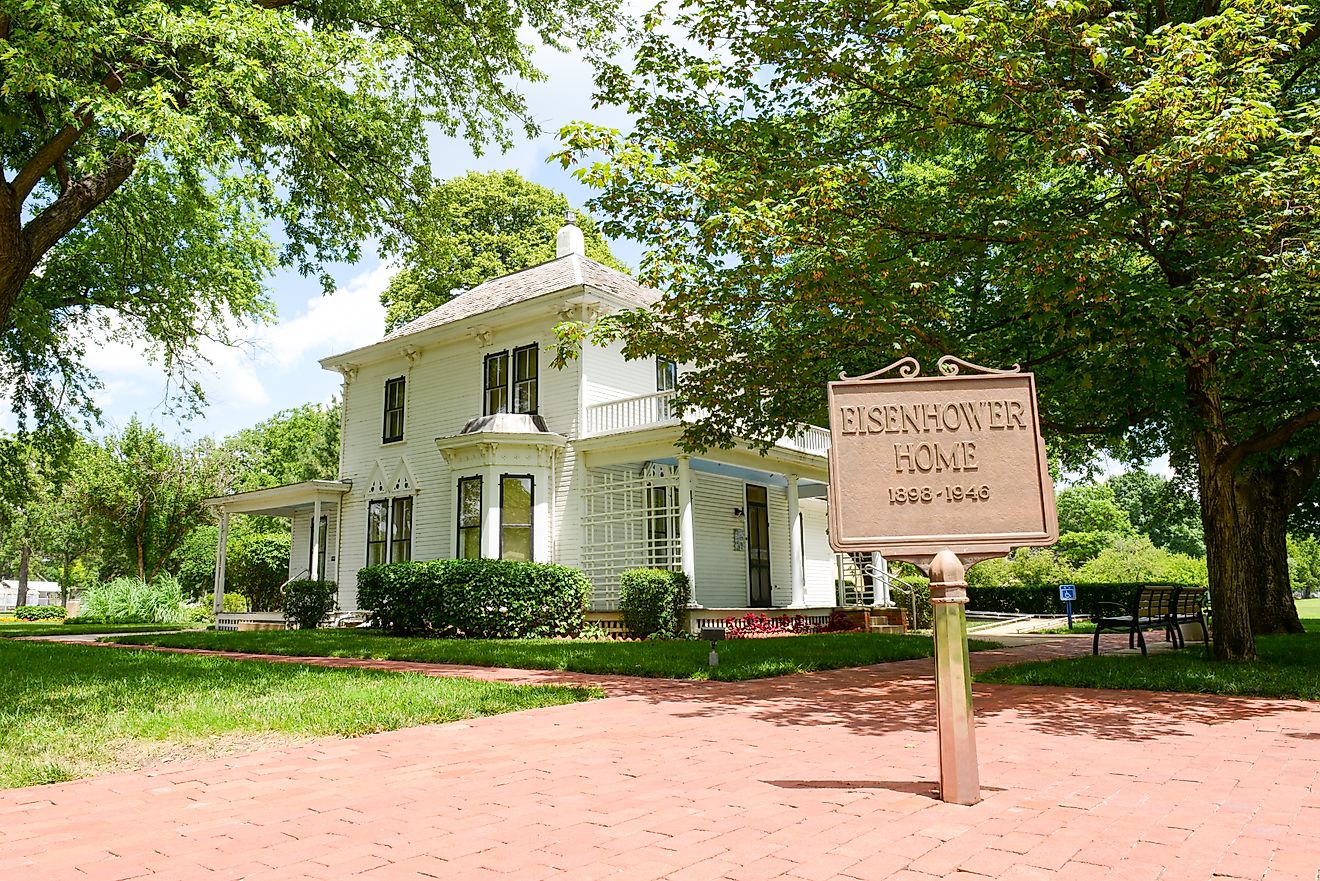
x,y
804,778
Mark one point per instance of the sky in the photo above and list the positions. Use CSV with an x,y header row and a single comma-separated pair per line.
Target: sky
x,y
276,366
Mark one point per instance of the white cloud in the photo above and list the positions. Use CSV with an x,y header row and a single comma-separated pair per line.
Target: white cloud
x,y
271,367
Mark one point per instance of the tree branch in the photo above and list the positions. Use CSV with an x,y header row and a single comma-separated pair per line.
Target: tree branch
x,y
66,212
1263,442
53,150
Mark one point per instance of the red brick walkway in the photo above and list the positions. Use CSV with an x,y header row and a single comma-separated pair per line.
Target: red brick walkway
x,y
826,776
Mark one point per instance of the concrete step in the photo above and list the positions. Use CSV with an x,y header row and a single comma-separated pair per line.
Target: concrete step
x,y
886,628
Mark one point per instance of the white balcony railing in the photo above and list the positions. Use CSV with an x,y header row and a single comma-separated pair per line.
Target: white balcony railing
x,y
647,411
627,414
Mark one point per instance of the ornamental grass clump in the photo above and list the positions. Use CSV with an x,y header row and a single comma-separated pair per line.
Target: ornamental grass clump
x,y
134,601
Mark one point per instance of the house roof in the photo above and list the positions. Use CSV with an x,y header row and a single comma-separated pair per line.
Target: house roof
x,y
560,274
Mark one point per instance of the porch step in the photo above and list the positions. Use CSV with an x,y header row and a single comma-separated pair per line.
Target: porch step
x,y
886,628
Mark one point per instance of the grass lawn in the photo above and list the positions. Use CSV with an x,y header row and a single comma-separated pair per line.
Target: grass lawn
x,y
1309,608
1289,666
739,659
69,711
1079,626
46,628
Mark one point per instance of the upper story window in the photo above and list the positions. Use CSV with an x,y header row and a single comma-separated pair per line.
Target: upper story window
x,y
524,378
392,428
511,391
666,375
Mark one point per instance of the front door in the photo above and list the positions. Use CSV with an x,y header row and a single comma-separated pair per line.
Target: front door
x,y
758,547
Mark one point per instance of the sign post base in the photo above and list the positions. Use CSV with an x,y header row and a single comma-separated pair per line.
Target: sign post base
x,y
959,777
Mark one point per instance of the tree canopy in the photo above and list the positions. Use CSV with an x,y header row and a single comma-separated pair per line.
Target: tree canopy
x,y
1118,198
473,228
144,148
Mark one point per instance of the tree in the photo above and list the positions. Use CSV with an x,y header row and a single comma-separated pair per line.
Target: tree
x,y
472,228
301,443
1110,196
1091,507
145,147
1161,510
145,496
35,491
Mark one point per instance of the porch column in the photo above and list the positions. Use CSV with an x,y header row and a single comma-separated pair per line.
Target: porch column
x,y
687,552
796,576
879,584
221,546
315,573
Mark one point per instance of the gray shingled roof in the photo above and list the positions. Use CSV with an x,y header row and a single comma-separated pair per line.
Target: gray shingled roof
x,y
556,275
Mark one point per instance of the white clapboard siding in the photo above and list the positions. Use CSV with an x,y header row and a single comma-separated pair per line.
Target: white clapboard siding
x,y
818,557
610,377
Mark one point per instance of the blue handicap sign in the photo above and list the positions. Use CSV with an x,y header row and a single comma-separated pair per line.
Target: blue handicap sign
x,y
1067,593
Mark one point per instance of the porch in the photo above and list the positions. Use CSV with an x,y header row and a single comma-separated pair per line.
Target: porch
x,y
313,505
748,530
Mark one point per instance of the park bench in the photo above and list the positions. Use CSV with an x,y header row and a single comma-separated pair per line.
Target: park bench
x,y
1154,607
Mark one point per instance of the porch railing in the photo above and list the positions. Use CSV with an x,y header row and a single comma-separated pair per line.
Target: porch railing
x,y
647,411
625,414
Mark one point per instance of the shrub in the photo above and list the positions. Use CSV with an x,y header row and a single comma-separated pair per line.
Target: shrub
x,y
132,601
920,618
39,613
478,599
1023,566
307,602
654,602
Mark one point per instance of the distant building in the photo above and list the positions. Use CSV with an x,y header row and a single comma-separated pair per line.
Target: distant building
x,y
40,593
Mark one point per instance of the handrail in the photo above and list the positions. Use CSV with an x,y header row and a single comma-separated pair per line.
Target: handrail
x,y
890,580
300,574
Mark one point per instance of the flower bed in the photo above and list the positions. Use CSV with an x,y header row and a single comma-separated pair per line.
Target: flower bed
x,y
760,625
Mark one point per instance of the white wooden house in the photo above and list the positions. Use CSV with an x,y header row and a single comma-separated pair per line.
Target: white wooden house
x,y
460,439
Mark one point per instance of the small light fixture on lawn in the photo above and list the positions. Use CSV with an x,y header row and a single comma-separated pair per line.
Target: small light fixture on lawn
x,y
712,635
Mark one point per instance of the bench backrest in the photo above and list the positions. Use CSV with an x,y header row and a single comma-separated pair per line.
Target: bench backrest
x,y
1189,601
1155,601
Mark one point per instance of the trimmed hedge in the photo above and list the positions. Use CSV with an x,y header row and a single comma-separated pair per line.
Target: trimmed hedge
x,y
39,613
476,599
307,602
1043,599
654,602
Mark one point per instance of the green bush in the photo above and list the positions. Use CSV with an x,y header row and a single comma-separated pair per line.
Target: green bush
x,y
902,598
478,599
307,602
1023,566
39,613
132,601
654,602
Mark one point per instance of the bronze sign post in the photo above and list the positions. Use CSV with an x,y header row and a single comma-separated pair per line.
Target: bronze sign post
x,y
943,472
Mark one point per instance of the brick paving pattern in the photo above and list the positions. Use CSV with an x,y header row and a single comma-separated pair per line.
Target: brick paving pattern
x,y
802,778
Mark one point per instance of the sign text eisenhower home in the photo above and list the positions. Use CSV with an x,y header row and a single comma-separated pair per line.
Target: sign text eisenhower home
x,y
920,464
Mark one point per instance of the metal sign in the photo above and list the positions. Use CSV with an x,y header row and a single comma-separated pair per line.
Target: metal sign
x,y
1067,593
920,464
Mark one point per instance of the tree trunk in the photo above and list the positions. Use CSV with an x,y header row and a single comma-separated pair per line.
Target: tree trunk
x,y
1263,509
64,580
25,554
1229,589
